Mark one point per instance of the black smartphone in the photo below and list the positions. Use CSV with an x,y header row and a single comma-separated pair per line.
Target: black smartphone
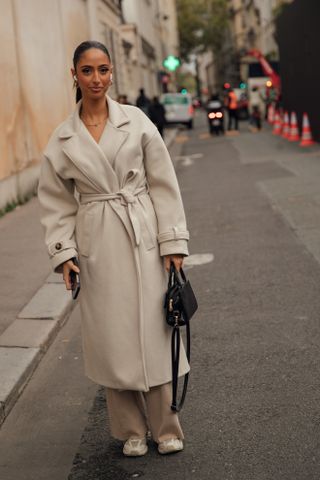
x,y
75,280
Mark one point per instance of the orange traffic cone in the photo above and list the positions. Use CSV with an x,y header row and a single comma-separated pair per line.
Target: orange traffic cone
x,y
277,127
286,127
294,131
306,137
271,116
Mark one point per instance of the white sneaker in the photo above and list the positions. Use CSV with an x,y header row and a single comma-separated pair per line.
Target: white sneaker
x,y
135,447
171,445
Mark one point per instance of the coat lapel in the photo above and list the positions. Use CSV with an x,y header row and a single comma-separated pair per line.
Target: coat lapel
x,y
117,136
86,153
113,138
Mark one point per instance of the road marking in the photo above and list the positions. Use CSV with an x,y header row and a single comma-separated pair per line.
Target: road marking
x,y
181,139
188,160
198,259
232,133
204,136
185,160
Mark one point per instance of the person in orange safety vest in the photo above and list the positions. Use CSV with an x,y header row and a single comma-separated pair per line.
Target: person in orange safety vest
x,y
232,110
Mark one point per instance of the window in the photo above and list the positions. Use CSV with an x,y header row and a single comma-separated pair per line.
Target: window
x,y
175,100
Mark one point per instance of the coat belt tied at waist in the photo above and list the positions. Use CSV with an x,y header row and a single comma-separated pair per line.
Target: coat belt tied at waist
x,y
136,215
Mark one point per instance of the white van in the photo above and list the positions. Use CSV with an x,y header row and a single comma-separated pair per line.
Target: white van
x,y
179,108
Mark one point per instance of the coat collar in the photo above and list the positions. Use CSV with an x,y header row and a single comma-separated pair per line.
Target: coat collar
x,y
97,165
117,117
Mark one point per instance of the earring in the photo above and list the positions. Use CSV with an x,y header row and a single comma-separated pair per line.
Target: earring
x,y
75,78
111,79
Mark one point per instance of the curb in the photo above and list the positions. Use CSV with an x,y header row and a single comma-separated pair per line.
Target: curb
x,y
25,341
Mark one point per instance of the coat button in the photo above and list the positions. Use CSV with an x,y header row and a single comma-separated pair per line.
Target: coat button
x,y
58,246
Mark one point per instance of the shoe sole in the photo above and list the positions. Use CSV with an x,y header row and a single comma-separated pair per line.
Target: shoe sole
x,y
140,454
170,451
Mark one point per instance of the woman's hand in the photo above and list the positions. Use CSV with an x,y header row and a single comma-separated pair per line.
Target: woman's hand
x,y
176,259
67,267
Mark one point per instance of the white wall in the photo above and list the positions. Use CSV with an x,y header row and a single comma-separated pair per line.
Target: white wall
x,y
38,38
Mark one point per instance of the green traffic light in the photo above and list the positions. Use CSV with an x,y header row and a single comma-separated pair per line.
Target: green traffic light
x,y
171,63
243,85
184,91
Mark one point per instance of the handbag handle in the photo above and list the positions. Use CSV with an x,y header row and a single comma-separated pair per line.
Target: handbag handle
x,y
180,278
175,275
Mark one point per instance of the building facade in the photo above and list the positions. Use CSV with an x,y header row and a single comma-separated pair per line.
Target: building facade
x,y
251,26
38,38
252,23
150,33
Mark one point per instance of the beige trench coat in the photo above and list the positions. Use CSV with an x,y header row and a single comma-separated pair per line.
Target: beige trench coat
x,y
126,215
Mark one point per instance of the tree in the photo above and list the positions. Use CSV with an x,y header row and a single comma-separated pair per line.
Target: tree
x,y
202,25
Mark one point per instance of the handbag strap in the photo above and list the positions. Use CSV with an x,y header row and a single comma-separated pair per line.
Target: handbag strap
x,y
174,275
175,357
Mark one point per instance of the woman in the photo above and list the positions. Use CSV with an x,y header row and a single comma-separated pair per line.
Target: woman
x,y
126,227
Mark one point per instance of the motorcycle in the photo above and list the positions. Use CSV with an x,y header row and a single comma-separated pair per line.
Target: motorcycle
x,y
215,118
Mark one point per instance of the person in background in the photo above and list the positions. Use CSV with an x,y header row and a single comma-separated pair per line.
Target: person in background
x,y
214,102
123,99
215,105
157,114
256,117
269,99
143,102
232,109
255,107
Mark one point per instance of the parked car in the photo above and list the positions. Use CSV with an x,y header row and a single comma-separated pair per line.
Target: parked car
x,y
179,108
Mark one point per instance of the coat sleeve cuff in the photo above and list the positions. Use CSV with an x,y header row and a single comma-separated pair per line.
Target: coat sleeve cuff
x,y
172,247
173,234
59,258
59,246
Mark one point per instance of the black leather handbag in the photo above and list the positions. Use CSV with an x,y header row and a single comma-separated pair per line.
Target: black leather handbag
x,y
180,305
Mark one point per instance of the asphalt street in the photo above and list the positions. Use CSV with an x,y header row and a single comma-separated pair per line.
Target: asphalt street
x,y
253,407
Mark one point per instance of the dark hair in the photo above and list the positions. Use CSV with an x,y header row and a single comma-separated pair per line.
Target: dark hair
x,y
83,47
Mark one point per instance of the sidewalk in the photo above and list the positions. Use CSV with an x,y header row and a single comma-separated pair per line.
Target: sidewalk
x,y
34,301
296,196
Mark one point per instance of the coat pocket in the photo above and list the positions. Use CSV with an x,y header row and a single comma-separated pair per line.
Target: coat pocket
x,y
84,233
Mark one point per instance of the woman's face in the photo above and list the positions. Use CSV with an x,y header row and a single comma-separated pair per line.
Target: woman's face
x,y
93,72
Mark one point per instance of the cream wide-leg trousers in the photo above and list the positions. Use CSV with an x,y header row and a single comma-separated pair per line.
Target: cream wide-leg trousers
x,y
132,414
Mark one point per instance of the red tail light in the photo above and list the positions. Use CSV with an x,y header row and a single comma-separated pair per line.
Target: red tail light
x,y
191,110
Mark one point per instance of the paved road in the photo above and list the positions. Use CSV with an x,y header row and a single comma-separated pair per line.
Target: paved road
x,y
252,412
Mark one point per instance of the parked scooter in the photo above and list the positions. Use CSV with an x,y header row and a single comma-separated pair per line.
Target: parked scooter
x,y
215,115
